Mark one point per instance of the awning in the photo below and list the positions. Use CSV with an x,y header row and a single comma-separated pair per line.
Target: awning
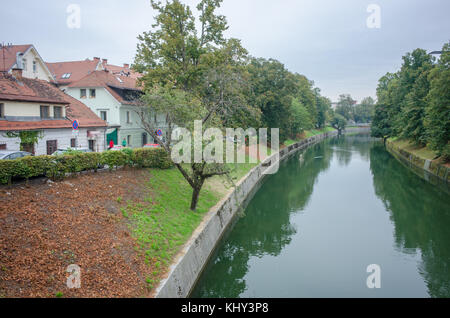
x,y
93,133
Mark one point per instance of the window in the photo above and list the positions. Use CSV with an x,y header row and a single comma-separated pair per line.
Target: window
x,y
92,93
57,111
66,75
2,146
128,117
44,112
73,143
2,110
24,64
83,93
52,146
103,115
34,66
129,141
155,118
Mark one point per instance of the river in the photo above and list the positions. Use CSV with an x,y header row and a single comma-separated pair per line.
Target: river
x,y
332,210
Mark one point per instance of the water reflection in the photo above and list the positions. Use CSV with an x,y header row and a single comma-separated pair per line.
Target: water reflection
x,y
418,212
421,216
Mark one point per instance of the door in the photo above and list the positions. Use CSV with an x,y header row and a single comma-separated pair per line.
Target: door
x,y
92,145
144,139
51,146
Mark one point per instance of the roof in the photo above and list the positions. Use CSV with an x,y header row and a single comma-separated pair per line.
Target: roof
x,y
76,69
28,90
114,84
10,54
12,88
126,70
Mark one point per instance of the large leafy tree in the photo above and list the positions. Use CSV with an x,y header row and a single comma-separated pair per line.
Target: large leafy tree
x,y
323,106
273,87
363,112
300,118
414,80
191,75
437,118
345,106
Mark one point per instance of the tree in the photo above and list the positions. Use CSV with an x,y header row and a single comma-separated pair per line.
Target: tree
x,y
345,106
300,118
381,126
363,112
323,106
273,87
414,76
437,118
190,75
339,122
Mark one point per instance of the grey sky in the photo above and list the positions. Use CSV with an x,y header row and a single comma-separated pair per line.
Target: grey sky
x,y
326,40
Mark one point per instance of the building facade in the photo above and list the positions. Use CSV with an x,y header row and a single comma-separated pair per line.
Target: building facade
x,y
34,109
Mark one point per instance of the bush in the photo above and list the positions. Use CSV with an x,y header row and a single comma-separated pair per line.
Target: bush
x,y
57,167
152,158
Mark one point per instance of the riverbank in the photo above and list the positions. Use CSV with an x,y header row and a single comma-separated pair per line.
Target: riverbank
x,y
190,262
420,159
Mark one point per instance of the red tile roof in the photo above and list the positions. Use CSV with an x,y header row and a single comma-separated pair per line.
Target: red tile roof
x,y
10,54
109,81
126,70
76,69
25,89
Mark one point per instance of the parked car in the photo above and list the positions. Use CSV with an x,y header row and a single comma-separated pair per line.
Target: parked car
x,y
152,146
60,152
10,155
117,148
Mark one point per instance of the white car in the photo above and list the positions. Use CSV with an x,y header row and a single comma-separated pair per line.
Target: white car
x,y
10,155
61,152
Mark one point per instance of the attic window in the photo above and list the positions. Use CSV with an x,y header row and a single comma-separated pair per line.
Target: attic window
x,y
119,80
66,75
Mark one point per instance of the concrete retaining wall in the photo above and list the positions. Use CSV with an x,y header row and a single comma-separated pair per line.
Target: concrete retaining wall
x,y
188,265
424,168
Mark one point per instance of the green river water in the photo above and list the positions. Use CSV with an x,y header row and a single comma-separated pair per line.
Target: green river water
x,y
313,228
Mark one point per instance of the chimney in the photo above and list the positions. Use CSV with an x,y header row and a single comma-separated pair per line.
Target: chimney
x,y
16,72
127,66
104,62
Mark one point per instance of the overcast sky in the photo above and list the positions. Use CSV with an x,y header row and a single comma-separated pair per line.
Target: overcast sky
x,y
326,40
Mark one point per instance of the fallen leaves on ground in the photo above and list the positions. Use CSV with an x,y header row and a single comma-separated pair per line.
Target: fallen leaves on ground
x,y
47,226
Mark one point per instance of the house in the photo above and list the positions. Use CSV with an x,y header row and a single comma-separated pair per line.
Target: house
x,y
114,97
24,57
66,73
37,117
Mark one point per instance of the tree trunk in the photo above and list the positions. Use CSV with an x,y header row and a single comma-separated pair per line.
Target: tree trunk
x,y
195,196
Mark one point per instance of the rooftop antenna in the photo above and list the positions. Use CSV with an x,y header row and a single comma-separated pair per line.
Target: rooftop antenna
x,y
4,47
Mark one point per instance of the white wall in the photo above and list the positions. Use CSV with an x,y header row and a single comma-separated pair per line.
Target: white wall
x,y
63,137
102,101
27,109
41,69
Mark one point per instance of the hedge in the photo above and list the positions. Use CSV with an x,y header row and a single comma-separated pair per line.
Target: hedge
x,y
58,167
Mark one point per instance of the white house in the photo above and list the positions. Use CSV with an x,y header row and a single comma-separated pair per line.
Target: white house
x,y
27,58
115,99
40,109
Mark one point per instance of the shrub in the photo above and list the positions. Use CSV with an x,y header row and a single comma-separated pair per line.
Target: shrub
x,y
114,159
152,158
57,167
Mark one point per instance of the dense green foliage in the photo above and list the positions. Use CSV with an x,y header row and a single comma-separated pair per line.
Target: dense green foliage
x,y
192,73
414,103
57,167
